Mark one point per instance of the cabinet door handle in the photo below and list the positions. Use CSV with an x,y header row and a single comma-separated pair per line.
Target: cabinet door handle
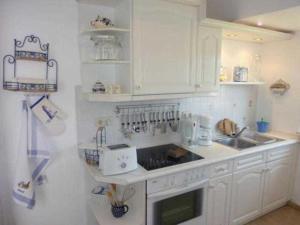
x,y
220,170
138,87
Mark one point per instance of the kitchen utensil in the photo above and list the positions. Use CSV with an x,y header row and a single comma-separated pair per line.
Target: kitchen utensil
x,y
262,126
92,157
145,127
189,129
173,124
138,123
99,190
152,123
119,211
176,121
176,153
100,22
227,127
133,126
204,131
113,191
128,122
99,87
164,123
107,47
111,198
128,193
158,122
123,129
240,74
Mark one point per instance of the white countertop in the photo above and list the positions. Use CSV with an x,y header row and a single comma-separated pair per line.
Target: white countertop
x,y
212,154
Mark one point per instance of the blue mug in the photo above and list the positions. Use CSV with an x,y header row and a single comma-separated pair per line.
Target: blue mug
x,y
262,126
119,211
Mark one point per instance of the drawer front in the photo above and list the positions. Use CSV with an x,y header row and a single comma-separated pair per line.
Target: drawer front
x,y
176,180
221,169
279,153
157,184
249,161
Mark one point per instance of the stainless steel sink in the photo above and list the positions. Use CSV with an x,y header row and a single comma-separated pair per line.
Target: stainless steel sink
x,y
237,143
247,141
261,139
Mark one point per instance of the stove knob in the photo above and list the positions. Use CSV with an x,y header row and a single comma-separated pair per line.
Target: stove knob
x,y
123,165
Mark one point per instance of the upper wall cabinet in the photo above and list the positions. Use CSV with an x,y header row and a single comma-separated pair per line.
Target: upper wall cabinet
x,y
208,60
164,44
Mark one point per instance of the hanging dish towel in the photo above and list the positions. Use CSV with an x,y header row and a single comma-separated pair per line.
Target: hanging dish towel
x,y
33,158
49,115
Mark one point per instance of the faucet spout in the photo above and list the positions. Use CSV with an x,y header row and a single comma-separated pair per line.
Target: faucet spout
x,y
240,132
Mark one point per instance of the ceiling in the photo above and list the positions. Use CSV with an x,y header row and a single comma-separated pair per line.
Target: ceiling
x,y
285,20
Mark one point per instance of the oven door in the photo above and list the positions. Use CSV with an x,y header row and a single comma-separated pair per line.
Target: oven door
x,y
185,205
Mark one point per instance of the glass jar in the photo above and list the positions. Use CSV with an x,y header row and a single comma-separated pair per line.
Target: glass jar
x,y
107,47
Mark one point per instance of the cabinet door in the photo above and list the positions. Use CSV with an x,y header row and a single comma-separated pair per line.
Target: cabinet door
x,y
247,195
277,183
164,40
219,196
208,61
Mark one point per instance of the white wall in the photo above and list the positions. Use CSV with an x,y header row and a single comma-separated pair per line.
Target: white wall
x,y
61,201
281,60
237,9
240,53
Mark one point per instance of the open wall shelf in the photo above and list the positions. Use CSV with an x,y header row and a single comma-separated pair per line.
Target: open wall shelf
x,y
232,83
106,62
105,31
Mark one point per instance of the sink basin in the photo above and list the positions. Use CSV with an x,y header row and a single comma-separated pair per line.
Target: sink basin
x,y
236,143
247,141
261,139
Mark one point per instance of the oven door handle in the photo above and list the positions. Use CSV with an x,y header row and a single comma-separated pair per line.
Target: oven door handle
x,y
178,190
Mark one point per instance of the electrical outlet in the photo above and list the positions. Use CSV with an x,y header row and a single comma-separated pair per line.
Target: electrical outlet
x,y
104,121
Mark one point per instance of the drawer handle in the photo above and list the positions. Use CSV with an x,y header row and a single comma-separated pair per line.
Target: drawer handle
x,y
220,170
250,160
138,87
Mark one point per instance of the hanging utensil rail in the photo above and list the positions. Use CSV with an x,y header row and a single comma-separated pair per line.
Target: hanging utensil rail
x,y
146,107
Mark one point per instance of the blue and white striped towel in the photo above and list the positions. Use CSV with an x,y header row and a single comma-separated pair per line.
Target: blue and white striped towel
x,y
33,158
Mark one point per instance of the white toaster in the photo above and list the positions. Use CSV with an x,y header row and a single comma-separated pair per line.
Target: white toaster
x,y
117,159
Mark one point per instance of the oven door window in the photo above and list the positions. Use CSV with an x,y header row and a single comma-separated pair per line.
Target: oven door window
x,y
179,208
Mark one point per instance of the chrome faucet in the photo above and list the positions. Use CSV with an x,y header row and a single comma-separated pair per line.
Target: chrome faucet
x,y
240,132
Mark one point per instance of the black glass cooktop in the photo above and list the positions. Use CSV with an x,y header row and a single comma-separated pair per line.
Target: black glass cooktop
x,y
163,156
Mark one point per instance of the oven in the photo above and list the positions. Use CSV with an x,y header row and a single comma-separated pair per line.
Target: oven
x,y
178,199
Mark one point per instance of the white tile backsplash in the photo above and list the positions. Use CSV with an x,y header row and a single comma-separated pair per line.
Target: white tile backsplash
x,y
232,102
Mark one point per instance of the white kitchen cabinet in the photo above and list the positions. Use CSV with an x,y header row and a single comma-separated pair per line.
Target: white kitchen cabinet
x,y
219,196
247,194
208,60
164,40
277,184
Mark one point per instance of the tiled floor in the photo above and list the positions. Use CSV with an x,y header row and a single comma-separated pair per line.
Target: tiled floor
x,y
282,216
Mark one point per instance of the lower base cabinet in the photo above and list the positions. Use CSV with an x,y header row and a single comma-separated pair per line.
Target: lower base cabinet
x,y
219,195
277,184
259,190
247,195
